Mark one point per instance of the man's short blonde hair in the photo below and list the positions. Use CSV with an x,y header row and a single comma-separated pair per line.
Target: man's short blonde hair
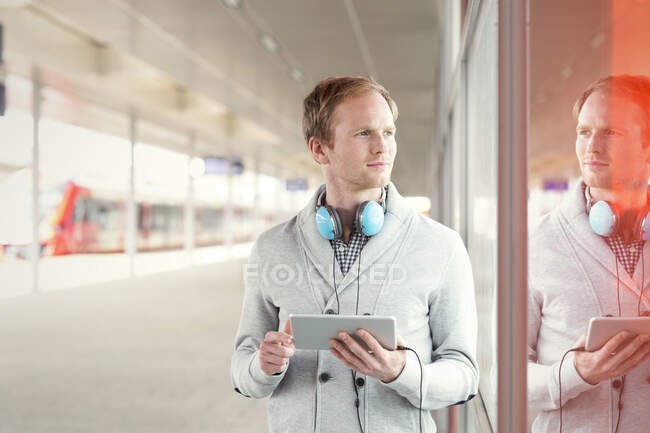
x,y
635,88
318,107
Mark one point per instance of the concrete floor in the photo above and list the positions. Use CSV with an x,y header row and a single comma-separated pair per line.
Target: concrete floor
x,y
150,354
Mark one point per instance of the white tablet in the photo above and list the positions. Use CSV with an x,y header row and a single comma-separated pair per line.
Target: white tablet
x,y
602,329
314,331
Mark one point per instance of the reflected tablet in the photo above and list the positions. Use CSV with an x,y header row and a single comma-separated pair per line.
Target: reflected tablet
x,y
601,329
314,331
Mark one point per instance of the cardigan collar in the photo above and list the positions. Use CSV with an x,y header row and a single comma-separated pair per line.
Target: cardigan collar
x,y
573,210
318,250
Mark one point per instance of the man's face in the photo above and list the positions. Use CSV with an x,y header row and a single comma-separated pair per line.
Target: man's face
x,y
363,146
609,142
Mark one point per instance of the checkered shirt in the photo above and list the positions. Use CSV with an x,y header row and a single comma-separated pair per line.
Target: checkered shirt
x,y
346,255
627,255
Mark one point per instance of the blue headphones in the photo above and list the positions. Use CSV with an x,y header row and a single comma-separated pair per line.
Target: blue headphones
x,y
369,218
604,219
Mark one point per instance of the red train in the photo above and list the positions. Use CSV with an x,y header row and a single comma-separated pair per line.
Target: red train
x,y
78,220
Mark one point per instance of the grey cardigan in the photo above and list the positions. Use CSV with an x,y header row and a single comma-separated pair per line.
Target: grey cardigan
x,y
430,293
572,279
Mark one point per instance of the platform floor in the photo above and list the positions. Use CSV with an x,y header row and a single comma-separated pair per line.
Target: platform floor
x,y
150,354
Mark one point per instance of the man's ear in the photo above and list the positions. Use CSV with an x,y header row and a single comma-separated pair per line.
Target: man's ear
x,y
318,150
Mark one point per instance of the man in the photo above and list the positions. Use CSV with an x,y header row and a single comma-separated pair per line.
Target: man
x,y
349,127
577,274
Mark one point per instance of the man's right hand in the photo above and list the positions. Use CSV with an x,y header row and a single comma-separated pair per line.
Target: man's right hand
x,y
616,358
276,349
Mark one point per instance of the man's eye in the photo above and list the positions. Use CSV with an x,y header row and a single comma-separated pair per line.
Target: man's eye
x,y
364,133
584,132
389,133
612,132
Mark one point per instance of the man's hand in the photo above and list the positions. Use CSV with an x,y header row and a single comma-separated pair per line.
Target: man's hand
x,y
381,364
615,358
276,349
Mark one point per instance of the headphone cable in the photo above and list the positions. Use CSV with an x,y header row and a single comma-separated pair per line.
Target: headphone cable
x,y
421,372
638,305
559,378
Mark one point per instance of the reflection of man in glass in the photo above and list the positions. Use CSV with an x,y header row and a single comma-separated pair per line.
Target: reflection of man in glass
x,y
577,274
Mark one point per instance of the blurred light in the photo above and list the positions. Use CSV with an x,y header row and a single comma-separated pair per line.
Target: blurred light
x,y
269,43
420,204
197,167
297,75
233,4
598,40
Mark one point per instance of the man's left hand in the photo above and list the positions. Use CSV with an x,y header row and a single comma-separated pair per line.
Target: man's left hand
x,y
385,365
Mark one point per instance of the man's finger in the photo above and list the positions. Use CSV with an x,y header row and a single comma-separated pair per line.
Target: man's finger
x,y
287,327
278,337
630,350
371,341
278,349
613,343
274,360
349,358
356,348
633,361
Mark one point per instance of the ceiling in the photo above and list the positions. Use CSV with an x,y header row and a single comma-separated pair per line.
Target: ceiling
x,y
201,66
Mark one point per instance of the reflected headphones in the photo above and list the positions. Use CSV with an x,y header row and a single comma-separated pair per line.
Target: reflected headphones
x,y
605,219
369,218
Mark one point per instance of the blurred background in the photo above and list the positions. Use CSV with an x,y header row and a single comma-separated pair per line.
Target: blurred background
x,y
144,145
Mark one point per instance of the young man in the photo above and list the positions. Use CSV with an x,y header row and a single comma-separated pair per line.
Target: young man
x,y
349,126
577,274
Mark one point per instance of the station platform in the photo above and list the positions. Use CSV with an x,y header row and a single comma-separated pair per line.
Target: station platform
x,y
148,354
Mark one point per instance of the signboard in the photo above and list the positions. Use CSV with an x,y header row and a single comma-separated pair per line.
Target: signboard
x,y
556,184
219,165
297,184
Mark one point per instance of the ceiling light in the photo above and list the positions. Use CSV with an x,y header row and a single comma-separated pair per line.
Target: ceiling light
x,y
297,74
233,4
269,43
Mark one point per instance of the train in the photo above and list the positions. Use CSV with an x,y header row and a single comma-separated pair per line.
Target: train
x,y
75,219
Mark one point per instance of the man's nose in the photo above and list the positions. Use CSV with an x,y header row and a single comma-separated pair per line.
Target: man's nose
x,y
380,143
595,142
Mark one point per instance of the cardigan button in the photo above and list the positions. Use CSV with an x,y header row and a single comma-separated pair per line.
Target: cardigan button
x,y
360,382
324,377
616,383
329,311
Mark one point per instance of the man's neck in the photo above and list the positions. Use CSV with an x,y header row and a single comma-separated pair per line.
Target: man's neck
x,y
346,202
628,198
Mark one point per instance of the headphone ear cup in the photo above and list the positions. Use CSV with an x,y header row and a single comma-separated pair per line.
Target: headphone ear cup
x,y
370,218
328,223
602,218
338,227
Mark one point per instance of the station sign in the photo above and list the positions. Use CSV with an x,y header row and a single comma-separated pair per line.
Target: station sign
x,y
556,185
220,165
299,184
